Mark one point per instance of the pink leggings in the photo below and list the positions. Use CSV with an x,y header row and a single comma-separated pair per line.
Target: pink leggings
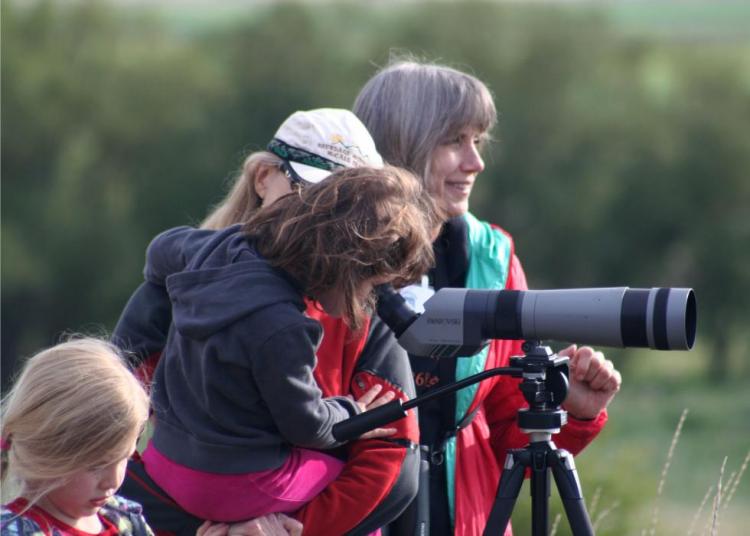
x,y
229,498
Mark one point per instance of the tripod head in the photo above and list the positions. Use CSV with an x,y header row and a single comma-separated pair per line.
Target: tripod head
x,y
544,386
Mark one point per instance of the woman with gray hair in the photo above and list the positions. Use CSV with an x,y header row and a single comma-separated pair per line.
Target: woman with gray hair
x,y
434,121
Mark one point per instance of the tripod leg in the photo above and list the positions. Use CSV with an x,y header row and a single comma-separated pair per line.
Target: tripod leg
x,y
540,489
507,493
423,498
569,487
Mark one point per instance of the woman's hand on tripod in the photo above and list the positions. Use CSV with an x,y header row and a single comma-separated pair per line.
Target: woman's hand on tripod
x,y
594,382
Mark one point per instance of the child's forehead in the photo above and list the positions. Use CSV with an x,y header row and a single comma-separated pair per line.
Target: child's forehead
x,y
117,453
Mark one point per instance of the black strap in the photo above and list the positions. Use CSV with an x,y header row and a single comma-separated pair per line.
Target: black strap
x,y
451,255
466,420
436,453
163,514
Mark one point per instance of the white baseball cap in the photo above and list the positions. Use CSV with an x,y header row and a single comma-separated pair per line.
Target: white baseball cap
x,y
314,143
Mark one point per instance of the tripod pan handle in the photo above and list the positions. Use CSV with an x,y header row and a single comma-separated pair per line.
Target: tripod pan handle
x,y
354,427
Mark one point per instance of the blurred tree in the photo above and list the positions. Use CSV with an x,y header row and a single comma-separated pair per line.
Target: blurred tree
x,y
619,160
103,125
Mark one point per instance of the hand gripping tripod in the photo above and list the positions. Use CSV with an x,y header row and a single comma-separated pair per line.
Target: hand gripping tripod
x,y
544,386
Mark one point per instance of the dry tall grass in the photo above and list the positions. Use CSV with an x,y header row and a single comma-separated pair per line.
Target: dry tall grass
x,y
664,472
724,491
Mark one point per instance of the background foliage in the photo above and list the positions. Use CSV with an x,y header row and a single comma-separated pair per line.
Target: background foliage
x,y
622,158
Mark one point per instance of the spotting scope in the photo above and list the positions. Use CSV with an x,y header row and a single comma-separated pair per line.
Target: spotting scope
x,y
460,322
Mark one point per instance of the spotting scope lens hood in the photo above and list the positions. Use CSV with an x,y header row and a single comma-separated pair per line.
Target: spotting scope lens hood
x,y
657,318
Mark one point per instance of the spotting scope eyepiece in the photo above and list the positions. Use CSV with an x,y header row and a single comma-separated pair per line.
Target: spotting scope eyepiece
x,y
460,322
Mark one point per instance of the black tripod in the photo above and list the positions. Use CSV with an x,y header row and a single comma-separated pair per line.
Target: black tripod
x,y
544,385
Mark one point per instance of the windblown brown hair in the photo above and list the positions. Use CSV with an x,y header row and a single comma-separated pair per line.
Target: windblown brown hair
x,y
358,224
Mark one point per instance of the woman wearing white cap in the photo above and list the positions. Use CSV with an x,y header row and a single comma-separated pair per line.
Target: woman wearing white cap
x,y
380,473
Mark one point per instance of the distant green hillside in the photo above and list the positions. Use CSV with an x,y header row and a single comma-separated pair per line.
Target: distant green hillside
x,y
717,20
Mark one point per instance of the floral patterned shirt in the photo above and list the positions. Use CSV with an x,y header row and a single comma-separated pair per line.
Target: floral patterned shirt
x,y
119,516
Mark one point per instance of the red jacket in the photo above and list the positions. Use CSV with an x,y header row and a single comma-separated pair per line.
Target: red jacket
x,y
482,445
374,467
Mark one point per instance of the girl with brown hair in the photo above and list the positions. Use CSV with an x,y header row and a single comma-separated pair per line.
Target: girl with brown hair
x,y
237,409
380,471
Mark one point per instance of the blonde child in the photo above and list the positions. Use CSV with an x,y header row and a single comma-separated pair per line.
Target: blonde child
x,y
69,425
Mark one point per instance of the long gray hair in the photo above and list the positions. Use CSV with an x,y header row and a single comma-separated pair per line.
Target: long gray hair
x,y
410,107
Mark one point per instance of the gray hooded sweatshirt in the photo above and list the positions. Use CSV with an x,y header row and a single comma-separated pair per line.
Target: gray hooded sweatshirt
x,y
234,389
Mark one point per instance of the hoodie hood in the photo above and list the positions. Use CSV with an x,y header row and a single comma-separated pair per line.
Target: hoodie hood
x,y
215,278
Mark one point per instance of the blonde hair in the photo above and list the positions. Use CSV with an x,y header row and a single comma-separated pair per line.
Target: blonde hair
x,y
242,201
358,224
74,406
